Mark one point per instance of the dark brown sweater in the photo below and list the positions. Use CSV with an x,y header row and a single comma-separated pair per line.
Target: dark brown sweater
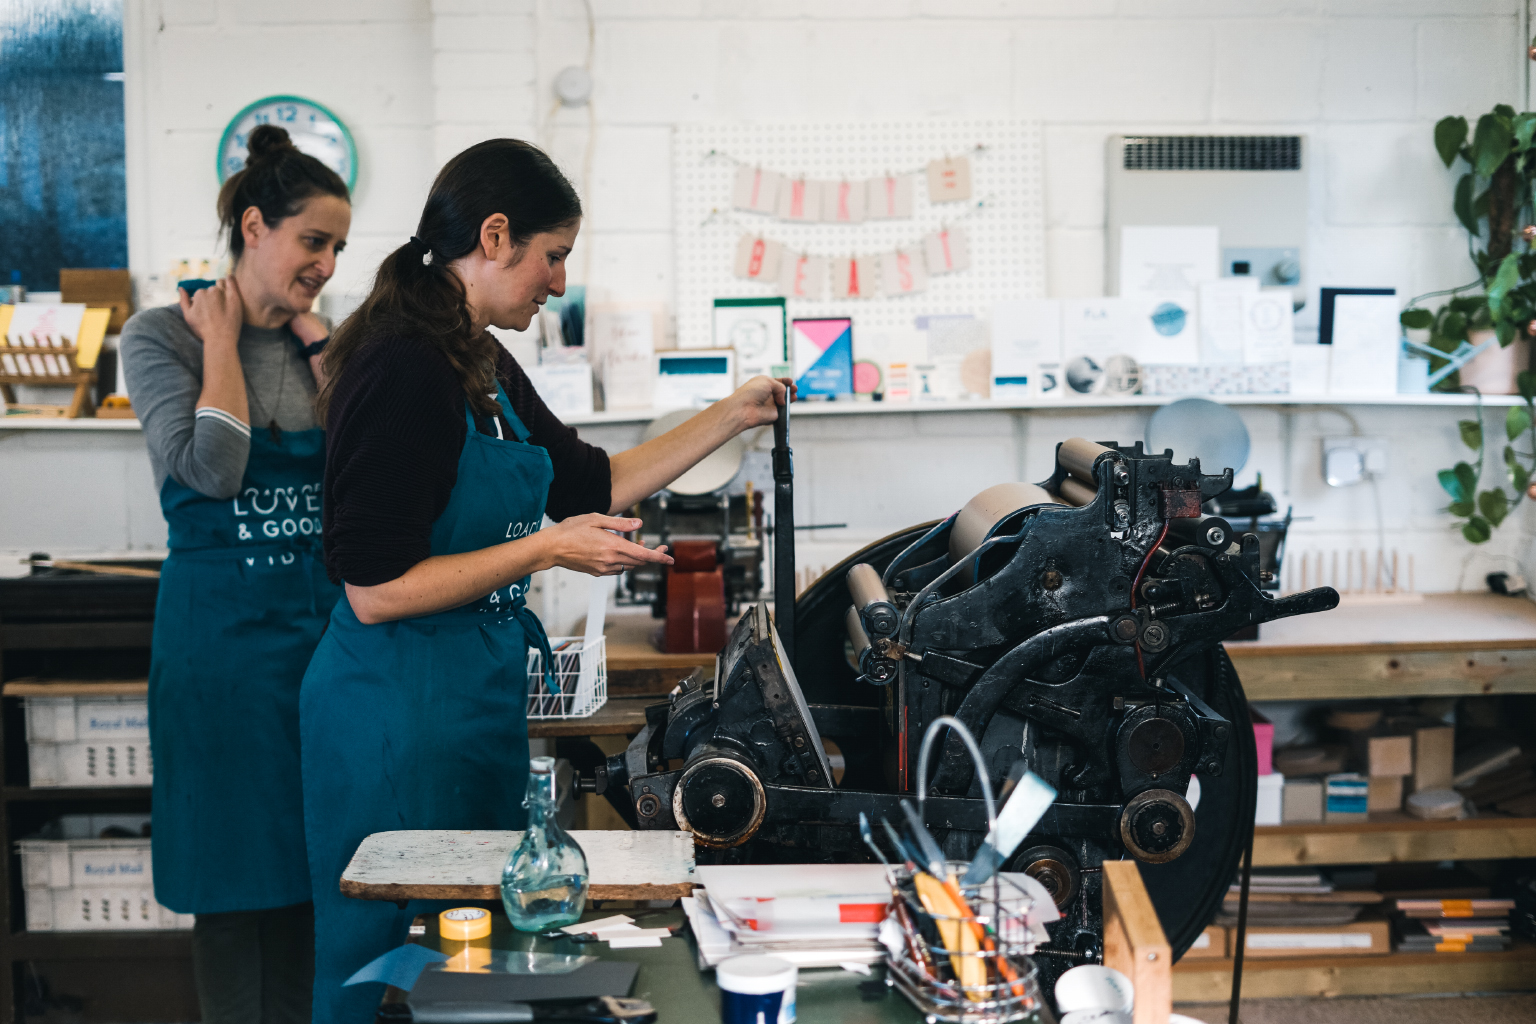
x,y
395,430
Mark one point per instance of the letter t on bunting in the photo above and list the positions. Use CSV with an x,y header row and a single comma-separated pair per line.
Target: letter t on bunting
x,y
947,250
888,198
757,258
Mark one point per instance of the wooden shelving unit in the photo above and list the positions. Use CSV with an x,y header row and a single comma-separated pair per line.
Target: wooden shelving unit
x,y
1393,838
121,977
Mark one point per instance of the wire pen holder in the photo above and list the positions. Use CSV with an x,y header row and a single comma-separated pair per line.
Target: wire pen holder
x,y
964,950
576,683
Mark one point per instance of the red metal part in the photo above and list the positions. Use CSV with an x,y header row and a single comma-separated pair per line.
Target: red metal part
x,y
695,600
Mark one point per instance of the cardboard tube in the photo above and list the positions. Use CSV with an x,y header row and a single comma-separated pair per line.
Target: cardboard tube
x,y
1077,456
1075,492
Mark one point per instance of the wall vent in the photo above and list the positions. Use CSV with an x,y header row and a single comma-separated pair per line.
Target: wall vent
x,y
1211,153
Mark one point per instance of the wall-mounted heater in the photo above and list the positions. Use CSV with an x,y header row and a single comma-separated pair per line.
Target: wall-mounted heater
x,y
1252,187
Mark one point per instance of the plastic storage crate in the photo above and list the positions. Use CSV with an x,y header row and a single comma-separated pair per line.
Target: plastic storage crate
x,y
577,684
75,885
88,741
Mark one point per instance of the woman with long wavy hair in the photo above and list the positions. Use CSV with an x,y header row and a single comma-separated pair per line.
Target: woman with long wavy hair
x,y
442,464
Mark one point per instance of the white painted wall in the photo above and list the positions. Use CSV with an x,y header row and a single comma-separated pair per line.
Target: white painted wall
x,y
417,81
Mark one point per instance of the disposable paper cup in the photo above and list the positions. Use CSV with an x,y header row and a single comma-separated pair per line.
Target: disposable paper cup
x,y
756,990
1091,987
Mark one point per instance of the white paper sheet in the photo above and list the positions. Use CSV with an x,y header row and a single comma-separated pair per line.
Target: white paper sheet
x,y
1309,369
1158,260
1025,334
1221,319
1366,338
565,387
622,343
1268,331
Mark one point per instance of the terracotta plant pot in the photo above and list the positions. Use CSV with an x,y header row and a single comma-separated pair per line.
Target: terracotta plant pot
x,y
1493,372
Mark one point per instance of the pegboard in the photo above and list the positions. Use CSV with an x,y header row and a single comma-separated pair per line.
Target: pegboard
x,y
1007,236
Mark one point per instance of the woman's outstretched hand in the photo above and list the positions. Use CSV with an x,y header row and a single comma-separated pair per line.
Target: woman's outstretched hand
x,y
758,400
587,544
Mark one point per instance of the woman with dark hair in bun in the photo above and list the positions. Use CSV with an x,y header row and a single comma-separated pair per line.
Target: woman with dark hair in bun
x,y
225,383
442,464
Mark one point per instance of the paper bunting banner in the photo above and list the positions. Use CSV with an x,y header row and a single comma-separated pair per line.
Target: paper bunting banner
x,y
757,259
947,251
757,190
890,197
848,200
803,277
842,202
949,180
901,272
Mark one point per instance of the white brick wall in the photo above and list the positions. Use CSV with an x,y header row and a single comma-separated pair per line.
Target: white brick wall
x,y
418,81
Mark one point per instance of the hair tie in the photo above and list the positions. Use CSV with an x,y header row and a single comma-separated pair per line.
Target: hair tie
x,y
424,249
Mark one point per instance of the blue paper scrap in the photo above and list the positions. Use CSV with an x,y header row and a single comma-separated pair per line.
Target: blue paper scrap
x,y
399,967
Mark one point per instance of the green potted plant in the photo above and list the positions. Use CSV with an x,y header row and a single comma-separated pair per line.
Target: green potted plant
x,y
1493,200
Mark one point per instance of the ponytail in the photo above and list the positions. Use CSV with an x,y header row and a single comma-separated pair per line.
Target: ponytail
x,y
416,293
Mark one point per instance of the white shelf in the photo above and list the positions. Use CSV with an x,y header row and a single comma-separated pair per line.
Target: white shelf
x,y
885,408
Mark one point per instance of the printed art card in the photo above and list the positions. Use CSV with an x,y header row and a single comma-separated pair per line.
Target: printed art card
x,y
758,258
949,180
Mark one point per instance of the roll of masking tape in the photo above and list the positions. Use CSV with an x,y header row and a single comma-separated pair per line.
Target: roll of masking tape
x,y
464,923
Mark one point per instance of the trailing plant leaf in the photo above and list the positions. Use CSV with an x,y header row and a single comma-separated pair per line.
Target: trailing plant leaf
x,y
1519,478
1507,278
1525,380
1525,128
1491,144
1494,505
1461,508
1467,477
1517,420
1452,485
1450,133
1504,330
1462,203
1454,327
1472,437
1416,319
1477,530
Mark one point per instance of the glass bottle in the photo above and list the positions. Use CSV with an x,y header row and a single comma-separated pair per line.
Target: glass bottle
x,y
544,883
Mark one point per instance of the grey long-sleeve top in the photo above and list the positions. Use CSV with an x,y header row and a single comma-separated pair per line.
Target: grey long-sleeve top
x,y
206,449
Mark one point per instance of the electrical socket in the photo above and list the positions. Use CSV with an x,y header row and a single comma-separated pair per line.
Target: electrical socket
x,y
1349,460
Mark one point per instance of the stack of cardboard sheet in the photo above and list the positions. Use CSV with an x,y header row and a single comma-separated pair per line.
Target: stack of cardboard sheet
x,y
813,915
1452,926
1297,898
1498,778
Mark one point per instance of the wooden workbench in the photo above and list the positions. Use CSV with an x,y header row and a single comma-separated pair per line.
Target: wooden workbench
x,y
635,666
1428,645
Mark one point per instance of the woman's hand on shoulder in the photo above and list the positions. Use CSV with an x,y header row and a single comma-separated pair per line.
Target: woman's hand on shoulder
x,y
588,544
309,328
758,400
214,313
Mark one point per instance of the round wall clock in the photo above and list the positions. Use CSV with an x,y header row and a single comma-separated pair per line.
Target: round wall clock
x,y
314,130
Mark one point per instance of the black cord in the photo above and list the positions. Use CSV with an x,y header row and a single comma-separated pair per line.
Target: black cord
x,y
1242,929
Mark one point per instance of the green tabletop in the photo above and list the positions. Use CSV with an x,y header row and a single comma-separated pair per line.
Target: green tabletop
x,y
670,979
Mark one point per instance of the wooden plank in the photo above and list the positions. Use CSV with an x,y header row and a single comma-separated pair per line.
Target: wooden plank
x,y
621,716
1399,839
1134,943
466,865
1202,981
1438,622
31,686
1478,671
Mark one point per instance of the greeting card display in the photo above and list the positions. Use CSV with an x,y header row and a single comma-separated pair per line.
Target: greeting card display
x,y
823,356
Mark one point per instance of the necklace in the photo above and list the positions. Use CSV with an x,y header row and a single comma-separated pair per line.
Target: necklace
x,y
282,381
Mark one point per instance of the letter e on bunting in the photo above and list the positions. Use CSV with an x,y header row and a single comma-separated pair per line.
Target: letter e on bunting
x,y
949,180
757,258
803,277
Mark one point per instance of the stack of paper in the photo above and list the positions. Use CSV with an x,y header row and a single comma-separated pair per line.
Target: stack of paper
x,y
813,915
1452,926
619,931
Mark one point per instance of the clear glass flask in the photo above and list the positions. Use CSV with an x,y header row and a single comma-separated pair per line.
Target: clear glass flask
x,y
544,883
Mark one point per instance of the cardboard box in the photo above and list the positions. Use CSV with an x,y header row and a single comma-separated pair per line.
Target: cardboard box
x,y
1348,797
1266,808
1210,944
1434,758
100,288
1386,793
1389,756
1263,740
1359,938
1301,801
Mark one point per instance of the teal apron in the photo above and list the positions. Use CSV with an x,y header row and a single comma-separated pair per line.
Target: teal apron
x,y
420,723
243,601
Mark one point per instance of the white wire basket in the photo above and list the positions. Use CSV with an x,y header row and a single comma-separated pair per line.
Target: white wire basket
x,y
577,683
